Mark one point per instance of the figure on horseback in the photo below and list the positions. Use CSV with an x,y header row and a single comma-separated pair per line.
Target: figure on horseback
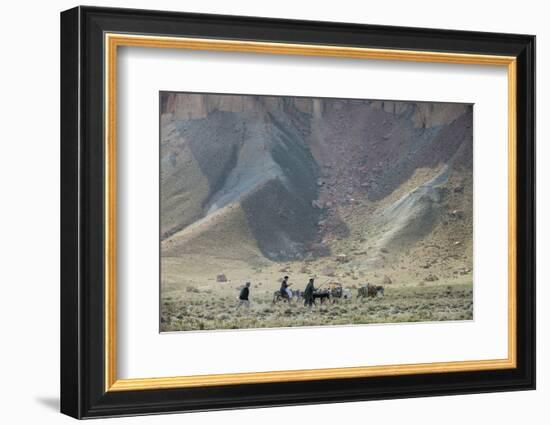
x,y
285,289
284,293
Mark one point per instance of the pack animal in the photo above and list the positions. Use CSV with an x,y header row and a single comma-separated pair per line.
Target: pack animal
x,y
277,296
370,291
322,296
297,293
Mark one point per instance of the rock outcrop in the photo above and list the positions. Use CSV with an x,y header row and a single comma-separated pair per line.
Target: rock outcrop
x,y
286,178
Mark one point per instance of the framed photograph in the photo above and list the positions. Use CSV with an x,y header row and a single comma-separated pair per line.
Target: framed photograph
x,y
261,212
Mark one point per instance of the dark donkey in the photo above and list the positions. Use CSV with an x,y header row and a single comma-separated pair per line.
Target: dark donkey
x,y
322,296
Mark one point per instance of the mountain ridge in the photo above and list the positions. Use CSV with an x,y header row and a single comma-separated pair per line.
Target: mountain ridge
x,y
301,171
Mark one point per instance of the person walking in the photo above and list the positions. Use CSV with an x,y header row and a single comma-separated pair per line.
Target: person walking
x,y
243,296
309,299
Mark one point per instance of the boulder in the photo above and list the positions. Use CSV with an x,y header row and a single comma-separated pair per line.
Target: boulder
x,y
342,258
457,214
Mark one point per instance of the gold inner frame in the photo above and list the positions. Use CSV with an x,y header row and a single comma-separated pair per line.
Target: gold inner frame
x,y
113,41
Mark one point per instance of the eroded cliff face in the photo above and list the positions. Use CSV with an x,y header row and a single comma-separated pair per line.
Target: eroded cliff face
x,y
302,175
247,151
183,106
425,114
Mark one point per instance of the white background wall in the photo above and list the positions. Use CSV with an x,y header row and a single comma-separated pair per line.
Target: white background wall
x,y
29,215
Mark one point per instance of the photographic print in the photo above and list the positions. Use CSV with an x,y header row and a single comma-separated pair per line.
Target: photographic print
x,y
281,211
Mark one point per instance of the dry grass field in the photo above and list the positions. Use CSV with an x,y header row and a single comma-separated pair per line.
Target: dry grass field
x,y
204,310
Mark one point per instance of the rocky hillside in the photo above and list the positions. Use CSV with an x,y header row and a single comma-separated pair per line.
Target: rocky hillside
x,y
282,179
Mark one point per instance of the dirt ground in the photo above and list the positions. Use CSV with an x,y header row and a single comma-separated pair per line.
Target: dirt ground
x,y
192,300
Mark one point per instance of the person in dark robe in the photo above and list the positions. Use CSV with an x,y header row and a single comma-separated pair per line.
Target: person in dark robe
x,y
243,296
309,300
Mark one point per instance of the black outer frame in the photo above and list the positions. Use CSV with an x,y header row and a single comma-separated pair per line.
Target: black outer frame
x,y
82,220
